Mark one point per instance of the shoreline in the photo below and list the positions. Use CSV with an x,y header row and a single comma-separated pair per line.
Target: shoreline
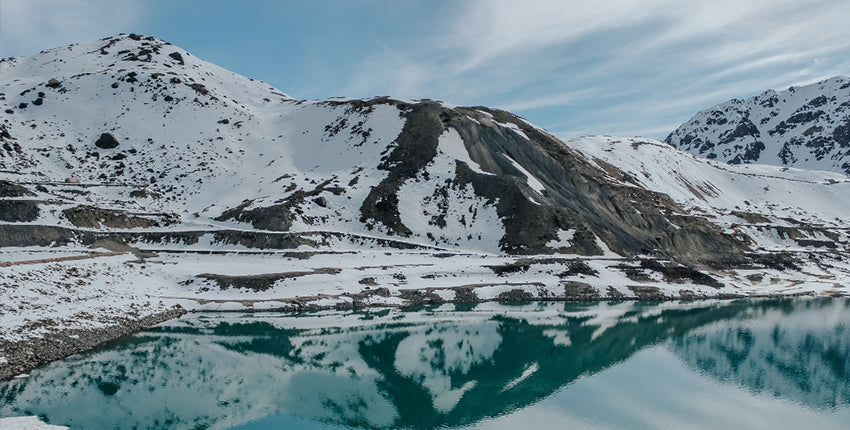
x,y
24,356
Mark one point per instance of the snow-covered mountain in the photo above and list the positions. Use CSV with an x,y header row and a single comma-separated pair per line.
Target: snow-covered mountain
x,y
135,177
158,137
806,127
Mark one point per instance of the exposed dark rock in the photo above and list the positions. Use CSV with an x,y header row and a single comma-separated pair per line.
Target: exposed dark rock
x,y
260,282
578,196
740,131
804,117
176,56
744,129
94,217
515,295
359,300
53,83
580,291
613,294
509,268
688,295
578,267
277,217
368,281
752,218
841,134
465,295
42,235
10,189
199,88
755,277
106,141
416,147
420,297
647,293
19,210
671,272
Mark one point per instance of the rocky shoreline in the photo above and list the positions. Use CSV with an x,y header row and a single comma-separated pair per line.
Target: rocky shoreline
x,y
26,355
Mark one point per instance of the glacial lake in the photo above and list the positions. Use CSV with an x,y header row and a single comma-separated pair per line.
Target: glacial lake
x,y
769,363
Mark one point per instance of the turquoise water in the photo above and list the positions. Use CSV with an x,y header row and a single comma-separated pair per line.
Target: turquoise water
x,y
778,363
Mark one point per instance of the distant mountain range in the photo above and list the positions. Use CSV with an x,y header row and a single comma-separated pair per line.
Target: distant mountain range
x,y
806,127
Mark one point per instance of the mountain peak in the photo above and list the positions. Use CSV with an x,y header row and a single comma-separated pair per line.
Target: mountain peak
x,y
803,126
124,58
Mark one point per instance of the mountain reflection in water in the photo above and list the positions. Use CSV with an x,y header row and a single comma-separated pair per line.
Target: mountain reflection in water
x,y
449,366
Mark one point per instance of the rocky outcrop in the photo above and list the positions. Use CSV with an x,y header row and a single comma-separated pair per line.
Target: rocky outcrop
x,y
94,217
19,210
106,141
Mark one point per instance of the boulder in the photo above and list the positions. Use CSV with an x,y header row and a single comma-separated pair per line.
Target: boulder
x,y
106,141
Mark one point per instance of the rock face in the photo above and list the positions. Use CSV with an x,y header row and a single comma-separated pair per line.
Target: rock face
x,y
806,127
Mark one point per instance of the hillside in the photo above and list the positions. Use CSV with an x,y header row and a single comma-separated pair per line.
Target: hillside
x,y
806,127
166,139
138,181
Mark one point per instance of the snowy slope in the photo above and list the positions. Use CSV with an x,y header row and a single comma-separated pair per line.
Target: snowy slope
x,y
200,148
158,138
778,207
700,182
806,127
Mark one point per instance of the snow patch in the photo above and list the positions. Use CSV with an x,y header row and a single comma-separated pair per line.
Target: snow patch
x,y
27,423
534,367
515,128
529,178
564,240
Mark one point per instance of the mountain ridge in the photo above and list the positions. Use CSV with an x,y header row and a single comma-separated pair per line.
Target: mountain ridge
x,y
803,126
215,124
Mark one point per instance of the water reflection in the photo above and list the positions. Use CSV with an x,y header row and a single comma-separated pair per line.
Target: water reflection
x,y
443,367
799,350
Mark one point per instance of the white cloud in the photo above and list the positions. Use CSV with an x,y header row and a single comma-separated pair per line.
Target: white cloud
x,y
608,66
559,99
634,64
29,26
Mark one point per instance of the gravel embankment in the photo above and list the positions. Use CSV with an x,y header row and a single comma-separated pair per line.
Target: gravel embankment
x,y
25,355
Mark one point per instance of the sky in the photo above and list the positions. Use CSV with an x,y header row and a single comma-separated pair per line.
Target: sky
x,y
616,67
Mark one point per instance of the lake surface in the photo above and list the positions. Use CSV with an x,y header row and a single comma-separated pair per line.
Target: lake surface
x,y
771,363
